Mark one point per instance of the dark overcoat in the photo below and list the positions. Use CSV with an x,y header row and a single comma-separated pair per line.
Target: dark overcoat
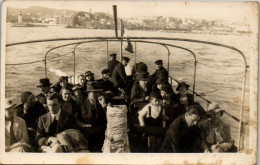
x,y
119,76
111,65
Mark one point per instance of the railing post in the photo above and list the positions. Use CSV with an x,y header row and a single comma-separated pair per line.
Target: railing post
x,y
107,55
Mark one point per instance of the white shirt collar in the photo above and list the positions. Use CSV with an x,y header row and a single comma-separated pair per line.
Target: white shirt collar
x,y
57,115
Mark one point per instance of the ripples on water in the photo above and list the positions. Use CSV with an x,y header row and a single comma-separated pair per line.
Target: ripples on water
x,y
218,68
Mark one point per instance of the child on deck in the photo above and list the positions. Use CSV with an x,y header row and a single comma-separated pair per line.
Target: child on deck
x,y
153,115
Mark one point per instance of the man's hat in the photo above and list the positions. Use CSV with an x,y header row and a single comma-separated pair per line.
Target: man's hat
x,y
44,82
89,73
215,108
9,103
63,78
167,88
126,59
76,87
156,95
92,86
113,55
105,71
182,84
158,62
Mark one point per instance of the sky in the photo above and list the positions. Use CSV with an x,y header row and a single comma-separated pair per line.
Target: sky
x,y
230,11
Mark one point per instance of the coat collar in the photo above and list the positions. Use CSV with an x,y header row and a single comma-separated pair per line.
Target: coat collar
x,y
16,125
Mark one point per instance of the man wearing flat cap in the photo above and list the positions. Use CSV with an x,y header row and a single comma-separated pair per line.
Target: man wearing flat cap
x,y
112,63
44,85
160,72
119,77
105,82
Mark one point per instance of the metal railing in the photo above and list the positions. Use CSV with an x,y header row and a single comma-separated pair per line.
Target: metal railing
x,y
146,40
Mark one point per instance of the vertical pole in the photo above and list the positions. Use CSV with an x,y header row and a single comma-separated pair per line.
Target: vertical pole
x,y
121,47
241,112
194,79
115,19
135,57
107,55
74,55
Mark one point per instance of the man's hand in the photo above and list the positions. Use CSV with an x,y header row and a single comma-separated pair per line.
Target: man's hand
x,y
51,141
147,98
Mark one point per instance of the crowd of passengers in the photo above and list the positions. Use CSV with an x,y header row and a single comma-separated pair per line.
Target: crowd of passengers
x,y
72,118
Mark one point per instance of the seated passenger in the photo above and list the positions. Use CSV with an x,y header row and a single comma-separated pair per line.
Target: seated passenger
x,y
55,131
82,83
44,84
172,108
183,89
89,76
158,84
140,68
160,72
92,118
16,137
30,110
105,82
63,82
215,132
67,103
153,115
78,95
183,135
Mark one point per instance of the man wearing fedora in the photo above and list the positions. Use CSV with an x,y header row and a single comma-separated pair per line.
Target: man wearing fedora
x,y
112,62
92,118
215,132
16,137
44,84
119,77
160,72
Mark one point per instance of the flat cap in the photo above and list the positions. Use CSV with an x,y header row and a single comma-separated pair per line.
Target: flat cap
x,y
158,62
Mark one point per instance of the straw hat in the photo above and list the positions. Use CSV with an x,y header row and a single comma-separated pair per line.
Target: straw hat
x,y
9,103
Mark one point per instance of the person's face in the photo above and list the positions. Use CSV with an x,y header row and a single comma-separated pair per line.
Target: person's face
x,y
159,86
45,89
155,101
184,100
183,89
143,83
31,100
64,83
66,95
164,94
91,96
53,106
89,77
77,92
101,100
9,112
105,76
158,66
81,80
215,116
194,119
124,63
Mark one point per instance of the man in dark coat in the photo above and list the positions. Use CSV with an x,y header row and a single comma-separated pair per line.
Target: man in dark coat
x,y
112,63
30,110
44,84
160,72
92,118
82,83
119,77
183,135
105,82
52,123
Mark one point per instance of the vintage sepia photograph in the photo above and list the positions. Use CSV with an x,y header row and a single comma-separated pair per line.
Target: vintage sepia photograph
x,y
149,82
